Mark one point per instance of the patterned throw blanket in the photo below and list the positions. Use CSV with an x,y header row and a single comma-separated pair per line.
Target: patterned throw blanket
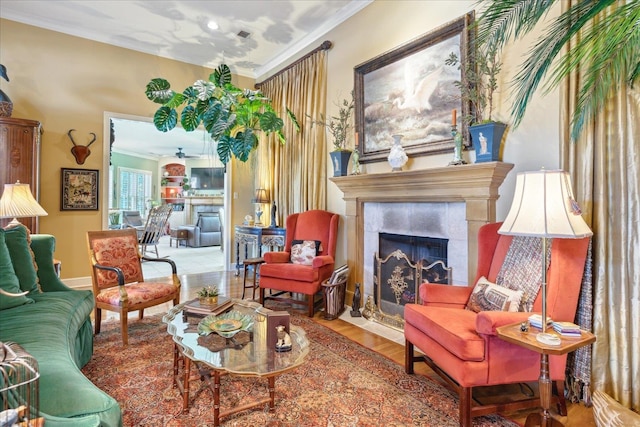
x,y
522,269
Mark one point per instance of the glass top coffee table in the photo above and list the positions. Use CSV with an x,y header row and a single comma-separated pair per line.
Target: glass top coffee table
x,y
245,354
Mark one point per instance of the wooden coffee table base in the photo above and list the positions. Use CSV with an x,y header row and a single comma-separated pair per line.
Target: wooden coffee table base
x,y
182,377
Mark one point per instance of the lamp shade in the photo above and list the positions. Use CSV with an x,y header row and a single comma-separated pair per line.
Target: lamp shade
x,y
261,196
544,206
18,202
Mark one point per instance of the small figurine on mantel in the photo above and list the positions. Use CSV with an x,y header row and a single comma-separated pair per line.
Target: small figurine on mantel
x,y
355,307
284,339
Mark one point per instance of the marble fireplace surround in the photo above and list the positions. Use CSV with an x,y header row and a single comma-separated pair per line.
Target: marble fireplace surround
x,y
476,185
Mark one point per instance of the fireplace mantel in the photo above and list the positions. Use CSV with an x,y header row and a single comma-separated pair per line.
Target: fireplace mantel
x,y
476,185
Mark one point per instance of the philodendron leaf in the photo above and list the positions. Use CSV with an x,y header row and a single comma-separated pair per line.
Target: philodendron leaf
x,y
221,76
295,122
190,95
224,149
204,89
270,122
175,101
165,119
159,91
243,144
190,119
216,120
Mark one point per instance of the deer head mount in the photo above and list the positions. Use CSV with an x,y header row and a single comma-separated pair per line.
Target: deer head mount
x,y
81,152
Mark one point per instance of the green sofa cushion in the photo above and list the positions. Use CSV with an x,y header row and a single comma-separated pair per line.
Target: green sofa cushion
x,y
18,242
47,330
8,280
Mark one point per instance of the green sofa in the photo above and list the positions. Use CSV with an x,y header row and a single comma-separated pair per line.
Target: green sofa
x,y
52,323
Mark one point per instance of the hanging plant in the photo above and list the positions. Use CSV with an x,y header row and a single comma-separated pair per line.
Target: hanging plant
x,y
233,117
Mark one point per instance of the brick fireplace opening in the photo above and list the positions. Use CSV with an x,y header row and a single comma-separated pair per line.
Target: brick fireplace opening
x,y
466,196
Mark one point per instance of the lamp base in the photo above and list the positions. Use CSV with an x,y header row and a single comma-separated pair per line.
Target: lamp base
x,y
548,339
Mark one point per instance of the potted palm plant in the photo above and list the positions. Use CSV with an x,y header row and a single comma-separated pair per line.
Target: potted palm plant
x,y
233,117
339,127
477,87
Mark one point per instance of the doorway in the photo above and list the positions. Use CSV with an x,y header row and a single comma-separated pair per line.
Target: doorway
x,y
136,137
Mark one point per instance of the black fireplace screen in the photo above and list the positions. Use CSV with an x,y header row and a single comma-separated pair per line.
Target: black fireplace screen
x,y
405,262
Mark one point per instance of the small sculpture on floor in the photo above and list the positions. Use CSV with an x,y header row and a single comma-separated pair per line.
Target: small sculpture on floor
x,y
355,307
367,312
284,339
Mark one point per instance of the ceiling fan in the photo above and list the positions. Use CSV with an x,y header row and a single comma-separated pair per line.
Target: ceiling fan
x,y
182,155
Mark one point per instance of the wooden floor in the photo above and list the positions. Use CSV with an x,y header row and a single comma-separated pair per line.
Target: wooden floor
x,y
231,285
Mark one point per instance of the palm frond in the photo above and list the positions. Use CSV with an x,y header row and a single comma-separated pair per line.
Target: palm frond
x,y
504,20
541,57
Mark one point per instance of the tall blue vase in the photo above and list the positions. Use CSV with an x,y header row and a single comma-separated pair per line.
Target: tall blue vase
x,y
487,141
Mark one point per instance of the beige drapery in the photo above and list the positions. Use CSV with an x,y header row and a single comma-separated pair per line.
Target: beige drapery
x,y
605,168
295,172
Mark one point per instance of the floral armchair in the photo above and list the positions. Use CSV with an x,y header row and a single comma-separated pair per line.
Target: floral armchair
x,y
118,283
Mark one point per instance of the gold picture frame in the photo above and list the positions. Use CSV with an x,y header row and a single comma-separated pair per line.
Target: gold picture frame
x,y
411,91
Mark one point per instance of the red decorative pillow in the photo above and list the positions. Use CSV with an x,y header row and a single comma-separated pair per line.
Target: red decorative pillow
x,y
304,251
487,296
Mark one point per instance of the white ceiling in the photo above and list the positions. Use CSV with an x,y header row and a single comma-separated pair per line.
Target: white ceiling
x,y
278,30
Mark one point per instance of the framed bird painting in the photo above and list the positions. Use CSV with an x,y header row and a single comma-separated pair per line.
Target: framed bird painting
x,y
411,91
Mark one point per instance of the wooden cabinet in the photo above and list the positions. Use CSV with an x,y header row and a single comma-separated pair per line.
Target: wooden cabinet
x,y
20,159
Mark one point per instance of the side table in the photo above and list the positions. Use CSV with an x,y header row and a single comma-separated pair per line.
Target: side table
x,y
180,235
257,237
513,334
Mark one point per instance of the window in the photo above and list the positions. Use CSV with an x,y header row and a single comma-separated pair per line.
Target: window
x,y
134,189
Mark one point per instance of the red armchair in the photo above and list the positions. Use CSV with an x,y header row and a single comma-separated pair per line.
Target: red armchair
x,y
280,273
462,346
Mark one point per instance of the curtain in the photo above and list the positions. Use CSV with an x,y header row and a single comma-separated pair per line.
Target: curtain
x,y
295,172
605,168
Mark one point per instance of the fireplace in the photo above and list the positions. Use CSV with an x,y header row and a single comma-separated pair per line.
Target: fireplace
x,y
465,196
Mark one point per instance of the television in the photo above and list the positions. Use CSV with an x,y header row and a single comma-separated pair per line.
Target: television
x,y
207,178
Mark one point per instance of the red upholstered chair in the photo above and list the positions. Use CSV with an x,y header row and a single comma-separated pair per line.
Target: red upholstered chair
x,y
279,273
462,346
116,273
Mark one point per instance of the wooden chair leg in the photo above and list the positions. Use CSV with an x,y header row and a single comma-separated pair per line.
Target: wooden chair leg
x,y
124,328
310,304
261,293
562,403
466,396
140,314
97,315
408,356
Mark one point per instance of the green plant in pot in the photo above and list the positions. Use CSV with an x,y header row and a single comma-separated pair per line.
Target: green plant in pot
x,y
477,87
233,117
185,185
339,128
208,295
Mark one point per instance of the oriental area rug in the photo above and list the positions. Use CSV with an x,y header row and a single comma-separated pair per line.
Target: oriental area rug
x,y
340,384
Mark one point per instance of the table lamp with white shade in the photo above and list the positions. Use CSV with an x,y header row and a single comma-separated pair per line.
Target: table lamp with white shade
x,y
18,202
543,206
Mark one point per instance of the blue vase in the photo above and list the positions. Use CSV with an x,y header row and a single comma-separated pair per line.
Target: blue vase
x,y
340,162
487,141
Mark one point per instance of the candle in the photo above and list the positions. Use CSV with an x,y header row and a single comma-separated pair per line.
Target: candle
x,y
453,117
356,139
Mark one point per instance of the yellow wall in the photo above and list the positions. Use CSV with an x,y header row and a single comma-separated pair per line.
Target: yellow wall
x,y
67,83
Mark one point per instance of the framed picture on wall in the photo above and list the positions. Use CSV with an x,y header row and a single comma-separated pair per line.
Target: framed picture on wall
x,y
411,91
79,190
